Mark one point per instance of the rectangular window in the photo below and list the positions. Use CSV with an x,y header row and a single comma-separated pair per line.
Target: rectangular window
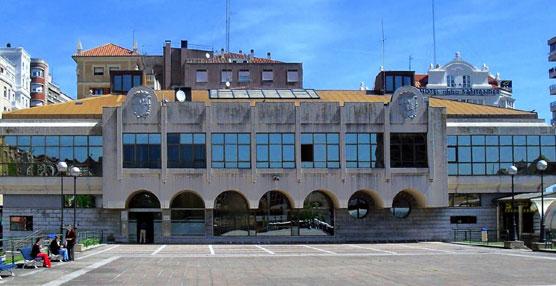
x,y
243,76
389,83
123,81
275,150
293,76
466,81
35,87
141,150
83,201
38,155
231,150
186,150
268,75
407,81
398,82
408,150
450,82
463,219
226,76
364,150
201,76
35,72
21,223
464,200
98,71
320,150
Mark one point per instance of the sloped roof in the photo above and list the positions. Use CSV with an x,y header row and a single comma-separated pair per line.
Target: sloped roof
x,y
107,50
92,107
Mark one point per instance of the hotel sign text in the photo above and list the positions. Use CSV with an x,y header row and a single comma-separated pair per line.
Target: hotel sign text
x,y
459,91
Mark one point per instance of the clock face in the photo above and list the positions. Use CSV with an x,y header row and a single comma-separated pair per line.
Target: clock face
x,y
141,104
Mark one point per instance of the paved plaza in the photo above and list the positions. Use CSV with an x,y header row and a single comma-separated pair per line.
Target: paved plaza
x,y
428,263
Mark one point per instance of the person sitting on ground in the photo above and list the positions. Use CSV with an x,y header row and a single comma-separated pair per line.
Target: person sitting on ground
x,y
58,249
36,252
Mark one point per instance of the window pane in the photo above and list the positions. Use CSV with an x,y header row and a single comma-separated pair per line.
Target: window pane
x,y
262,138
217,138
23,140
306,138
243,138
128,138
351,138
262,153
230,152
351,152
320,138
154,138
491,140
389,83
548,140
199,138
126,82
532,140
478,140
142,138
275,153
548,153
492,154
95,140
464,140
230,138
288,138
217,153
289,153
173,138
80,140
186,138
332,138
37,141
364,153
464,154
275,138
505,140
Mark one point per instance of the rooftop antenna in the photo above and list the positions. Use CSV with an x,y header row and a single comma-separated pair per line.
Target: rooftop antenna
x,y
410,59
227,26
133,42
382,68
382,23
433,34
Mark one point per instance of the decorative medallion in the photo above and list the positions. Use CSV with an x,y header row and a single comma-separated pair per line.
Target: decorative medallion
x,y
141,103
408,104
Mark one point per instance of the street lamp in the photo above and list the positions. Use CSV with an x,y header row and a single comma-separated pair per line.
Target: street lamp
x,y
541,166
62,168
512,170
74,172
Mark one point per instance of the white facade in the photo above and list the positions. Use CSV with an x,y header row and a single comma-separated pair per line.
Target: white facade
x,y
7,84
22,61
461,81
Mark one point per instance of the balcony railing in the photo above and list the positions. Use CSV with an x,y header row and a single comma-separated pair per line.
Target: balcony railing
x,y
552,72
553,89
552,104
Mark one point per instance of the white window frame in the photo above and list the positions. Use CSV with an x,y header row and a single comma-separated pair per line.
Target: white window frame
x,y
288,79
94,71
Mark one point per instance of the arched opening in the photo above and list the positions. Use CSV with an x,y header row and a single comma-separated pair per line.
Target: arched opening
x,y
273,217
188,214
144,218
362,202
405,201
231,214
317,215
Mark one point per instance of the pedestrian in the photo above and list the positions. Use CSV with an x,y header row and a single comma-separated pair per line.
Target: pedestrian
x,y
142,232
58,249
36,252
71,239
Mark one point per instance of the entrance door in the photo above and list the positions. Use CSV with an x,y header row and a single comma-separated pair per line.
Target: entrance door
x,y
149,221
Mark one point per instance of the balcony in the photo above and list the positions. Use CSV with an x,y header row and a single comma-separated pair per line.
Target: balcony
x,y
553,121
553,89
552,72
553,106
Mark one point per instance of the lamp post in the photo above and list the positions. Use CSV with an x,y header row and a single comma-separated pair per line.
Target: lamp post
x,y
62,168
74,172
512,170
541,166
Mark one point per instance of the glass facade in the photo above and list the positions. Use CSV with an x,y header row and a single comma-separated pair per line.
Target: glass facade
x,y
24,155
364,150
492,154
141,150
464,200
408,150
188,214
231,150
186,150
275,150
320,150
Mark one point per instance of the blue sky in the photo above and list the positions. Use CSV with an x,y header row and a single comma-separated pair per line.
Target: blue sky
x,y
338,42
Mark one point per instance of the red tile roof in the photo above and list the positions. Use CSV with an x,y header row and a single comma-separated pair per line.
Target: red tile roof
x,y
107,50
421,80
492,81
226,57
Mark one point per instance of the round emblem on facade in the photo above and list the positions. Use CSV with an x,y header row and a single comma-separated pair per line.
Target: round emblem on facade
x,y
408,104
141,103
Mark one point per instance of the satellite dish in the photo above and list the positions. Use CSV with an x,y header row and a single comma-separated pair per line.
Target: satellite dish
x,y
180,96
207,55
228,84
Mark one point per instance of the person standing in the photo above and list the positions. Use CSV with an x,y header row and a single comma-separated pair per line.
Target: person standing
x,y
36,252
71,239
56,249
142,232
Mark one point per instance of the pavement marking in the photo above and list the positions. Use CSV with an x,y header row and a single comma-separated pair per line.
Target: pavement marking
x,y
372,248
98,252
327,251
158,250
211,249
425,248
80,272
268,251
32,272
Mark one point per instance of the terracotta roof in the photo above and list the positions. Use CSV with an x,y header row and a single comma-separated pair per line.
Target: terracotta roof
x,y
92,107
107,50
226,57
492,81
421,80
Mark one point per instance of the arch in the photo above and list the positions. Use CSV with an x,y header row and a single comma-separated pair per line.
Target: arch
x,y
286,195
187,199
231,214
330,195
419,199
273,217
405,201
143,199
317,215
362,201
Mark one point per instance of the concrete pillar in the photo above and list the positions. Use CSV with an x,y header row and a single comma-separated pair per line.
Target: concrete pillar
x,y
124,229
166,223
208,222
520,221
498,222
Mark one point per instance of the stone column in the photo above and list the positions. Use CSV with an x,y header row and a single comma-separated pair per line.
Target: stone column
x,y
520,221
208,222
166,223
124,225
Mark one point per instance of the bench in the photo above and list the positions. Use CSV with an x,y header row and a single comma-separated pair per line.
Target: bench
x,y
27,259
54,257
6,267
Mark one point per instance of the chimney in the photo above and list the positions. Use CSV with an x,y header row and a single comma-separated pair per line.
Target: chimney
x,y
8,45
268,55
79,47
167,43
184,44
252,54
